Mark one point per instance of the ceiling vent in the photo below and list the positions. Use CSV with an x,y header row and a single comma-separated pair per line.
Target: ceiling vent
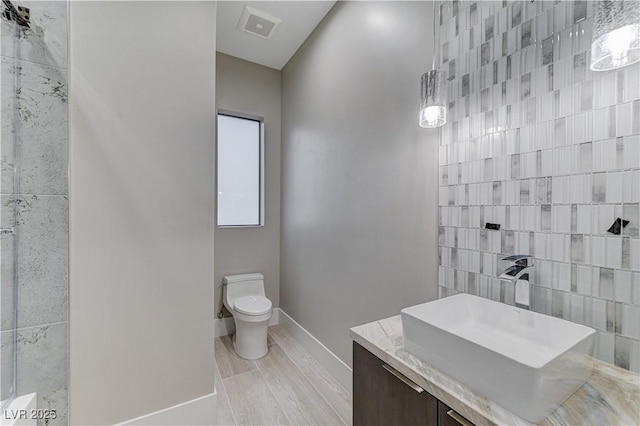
x,y
257,22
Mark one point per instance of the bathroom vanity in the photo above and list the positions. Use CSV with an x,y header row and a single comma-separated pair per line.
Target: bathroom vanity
x,y
387,380
384,396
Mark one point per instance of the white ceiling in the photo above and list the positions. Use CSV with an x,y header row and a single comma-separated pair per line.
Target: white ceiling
x,y
299,18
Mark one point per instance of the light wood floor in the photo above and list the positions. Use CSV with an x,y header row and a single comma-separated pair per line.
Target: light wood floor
x,y
286,387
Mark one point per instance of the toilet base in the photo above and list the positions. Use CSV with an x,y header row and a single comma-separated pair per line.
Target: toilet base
x,y
250,340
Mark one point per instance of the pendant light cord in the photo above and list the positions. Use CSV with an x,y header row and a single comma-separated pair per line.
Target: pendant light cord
x,y
433,62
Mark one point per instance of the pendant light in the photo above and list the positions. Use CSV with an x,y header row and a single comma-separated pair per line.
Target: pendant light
x,y
433,91
616,34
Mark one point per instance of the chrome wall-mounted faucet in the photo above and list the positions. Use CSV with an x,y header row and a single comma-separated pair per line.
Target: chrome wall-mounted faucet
x,y
518,275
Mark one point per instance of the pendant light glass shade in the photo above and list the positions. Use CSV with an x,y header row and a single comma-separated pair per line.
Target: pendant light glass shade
x,y
433,104
616,34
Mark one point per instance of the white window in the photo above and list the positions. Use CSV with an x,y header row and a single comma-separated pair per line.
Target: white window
x,y
240,171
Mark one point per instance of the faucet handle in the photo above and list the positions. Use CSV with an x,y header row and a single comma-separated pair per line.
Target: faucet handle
x,y
512,272
520,259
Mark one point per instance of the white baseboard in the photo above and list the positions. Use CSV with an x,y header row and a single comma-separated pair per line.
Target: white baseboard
x,y
226,326
327,359
275,317
199,411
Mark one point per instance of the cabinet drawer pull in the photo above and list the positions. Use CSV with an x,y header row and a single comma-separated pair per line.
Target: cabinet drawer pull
x,y
402,378
458,418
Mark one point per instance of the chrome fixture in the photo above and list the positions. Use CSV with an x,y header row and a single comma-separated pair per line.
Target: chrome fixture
x,y
518,275
433,90
616,34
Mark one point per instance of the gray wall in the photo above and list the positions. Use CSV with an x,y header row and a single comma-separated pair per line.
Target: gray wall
x,y
550,150
142,110
34,112
249,88
359,175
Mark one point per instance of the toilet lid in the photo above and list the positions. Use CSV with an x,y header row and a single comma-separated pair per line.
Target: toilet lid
x,y
252,305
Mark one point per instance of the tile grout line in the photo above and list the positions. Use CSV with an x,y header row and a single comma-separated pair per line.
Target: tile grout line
x,y
48,324
239,374
317,390
232,353
311,383
316,361
13,58
224,391
273,393
30,194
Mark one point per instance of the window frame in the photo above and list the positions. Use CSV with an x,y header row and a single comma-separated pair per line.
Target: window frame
x,y
261,165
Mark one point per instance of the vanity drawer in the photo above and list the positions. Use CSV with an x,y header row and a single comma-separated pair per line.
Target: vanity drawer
x,y
384,396
448,417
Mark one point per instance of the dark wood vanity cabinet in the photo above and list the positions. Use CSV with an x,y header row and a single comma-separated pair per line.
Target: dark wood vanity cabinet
x,y
383,396
448,417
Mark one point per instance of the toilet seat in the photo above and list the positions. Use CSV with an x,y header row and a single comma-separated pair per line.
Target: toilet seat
x,y
252,305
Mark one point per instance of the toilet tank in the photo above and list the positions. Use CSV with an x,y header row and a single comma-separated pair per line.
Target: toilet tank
x,y
244,285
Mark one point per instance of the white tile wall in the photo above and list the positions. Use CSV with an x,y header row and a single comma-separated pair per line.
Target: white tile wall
x,y
550,150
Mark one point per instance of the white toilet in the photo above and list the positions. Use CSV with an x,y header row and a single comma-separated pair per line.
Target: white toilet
x,y
243,296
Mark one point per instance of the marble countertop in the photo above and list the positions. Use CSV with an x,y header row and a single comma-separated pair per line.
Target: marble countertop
x,y
610,397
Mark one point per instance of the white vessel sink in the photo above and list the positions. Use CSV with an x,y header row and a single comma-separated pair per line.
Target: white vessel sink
x,y
526,362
